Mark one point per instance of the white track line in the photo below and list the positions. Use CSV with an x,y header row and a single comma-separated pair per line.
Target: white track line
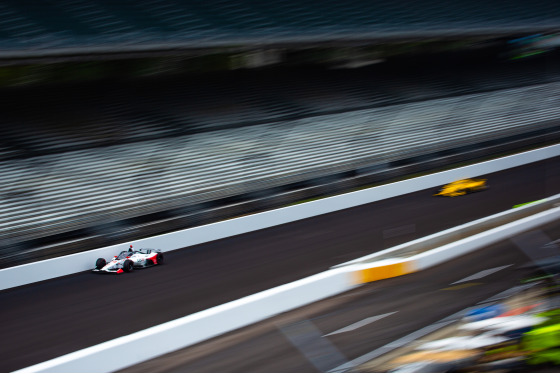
x,y
482,274
359,324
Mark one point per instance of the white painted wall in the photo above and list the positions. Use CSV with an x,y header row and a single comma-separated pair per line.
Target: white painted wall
x,y
177,334
180,333
461,247
158,340
466,230
48,269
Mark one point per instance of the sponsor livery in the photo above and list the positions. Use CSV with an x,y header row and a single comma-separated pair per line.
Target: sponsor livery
x,y
129,260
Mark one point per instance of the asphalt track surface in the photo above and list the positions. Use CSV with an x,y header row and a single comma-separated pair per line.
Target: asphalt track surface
x,y
52,318
324,335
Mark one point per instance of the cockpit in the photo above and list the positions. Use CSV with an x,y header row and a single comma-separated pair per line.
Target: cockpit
x,y
123,255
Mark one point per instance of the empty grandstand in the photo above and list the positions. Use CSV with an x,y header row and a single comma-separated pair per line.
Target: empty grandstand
x,y
80,159
38,28
88,162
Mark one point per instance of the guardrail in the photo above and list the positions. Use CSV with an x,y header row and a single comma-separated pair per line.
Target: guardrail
x,y
65,265
212,322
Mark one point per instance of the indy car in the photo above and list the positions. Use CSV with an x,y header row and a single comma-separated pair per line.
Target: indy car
x,y
462,187
129,260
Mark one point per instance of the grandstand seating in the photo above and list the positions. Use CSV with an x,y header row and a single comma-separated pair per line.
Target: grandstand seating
x,y
52,24
76,156
79,155
62,191
44,120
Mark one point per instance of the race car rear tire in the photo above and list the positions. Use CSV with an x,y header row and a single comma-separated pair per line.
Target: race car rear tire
x,y
128,266
159,258
100,263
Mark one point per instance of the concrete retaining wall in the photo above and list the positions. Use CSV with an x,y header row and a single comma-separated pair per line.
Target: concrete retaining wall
x,y
457,233
370,270
192,329
461,247
143,345
61,266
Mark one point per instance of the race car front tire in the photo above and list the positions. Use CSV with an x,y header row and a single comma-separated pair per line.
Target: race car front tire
x,y
100,263
128,266
159,258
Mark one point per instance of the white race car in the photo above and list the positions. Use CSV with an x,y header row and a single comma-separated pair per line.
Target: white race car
x,y
129,260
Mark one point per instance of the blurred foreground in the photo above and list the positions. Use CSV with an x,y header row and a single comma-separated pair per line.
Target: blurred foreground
x,y
519,334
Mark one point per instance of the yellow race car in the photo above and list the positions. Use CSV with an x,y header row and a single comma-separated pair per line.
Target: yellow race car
x,y
462,187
